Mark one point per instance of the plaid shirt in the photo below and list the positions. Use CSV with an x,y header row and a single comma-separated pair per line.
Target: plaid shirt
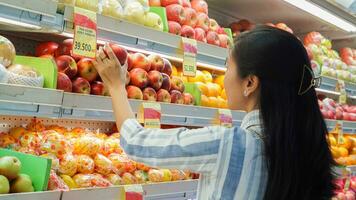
x,y
229,160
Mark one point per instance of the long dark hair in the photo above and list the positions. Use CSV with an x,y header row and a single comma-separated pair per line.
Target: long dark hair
x,y
298,157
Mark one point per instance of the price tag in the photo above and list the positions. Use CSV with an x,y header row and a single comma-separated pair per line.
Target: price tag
x,y
84,33
340,87
132,192
340,132
225,118
150,115
189,56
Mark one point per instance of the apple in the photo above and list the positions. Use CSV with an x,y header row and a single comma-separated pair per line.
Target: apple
x,y
176,97
187,4
127,78
47,56
163,96
187,31
221,31
154,3
213,38
120,53
154,21
310,54
65,48
86,69
149,94
223,40
155,79
134,92
174,27
138,60
188,99
98,88
165,3
63,82
339,113
203,21
200,34
138,77
190,17
67,65
200,6
166,82
167,67
177,84
81,85
156,61
46,48
214,26
134,12
175,12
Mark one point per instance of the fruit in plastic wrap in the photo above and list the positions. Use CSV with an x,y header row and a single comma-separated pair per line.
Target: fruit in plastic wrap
x,y
111,145
90,180
101,135
55,160
17,132
31,140
6,141
167,175
56,183
27,150
129,179
141,166
85,164
177,175
88,145
58,129
141,176
69,181
35,126
103,165
100,181
122,163
115,179
7,52
68,165
155,175
54,143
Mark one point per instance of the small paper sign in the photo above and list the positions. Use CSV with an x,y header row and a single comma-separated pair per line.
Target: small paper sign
x,y
225,118
340,87
340,132
132,192
150,115
189,56
85,30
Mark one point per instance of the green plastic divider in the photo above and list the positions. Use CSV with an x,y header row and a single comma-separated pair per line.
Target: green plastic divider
x,y
161,11
229,33
194,90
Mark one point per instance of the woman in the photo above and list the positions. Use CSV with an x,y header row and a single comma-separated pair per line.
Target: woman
x,y
279,152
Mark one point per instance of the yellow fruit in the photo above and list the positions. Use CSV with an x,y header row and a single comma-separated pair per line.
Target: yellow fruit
x,y
220,80
102,164
69,181
203,88
353,151
167,175
223,94
204,101
85,164
213,102
214,89
347,143
335,152
199,77
221,102
68,165
208,76
343,152
332,140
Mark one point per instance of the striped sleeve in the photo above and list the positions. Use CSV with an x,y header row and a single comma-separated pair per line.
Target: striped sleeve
x,y
196,150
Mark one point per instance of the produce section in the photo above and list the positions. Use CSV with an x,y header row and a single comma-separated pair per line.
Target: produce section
x,y
54,105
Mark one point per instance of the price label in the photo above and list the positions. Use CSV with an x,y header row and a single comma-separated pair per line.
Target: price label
x,y
340,132
225,118
340,87
132,192
84,33
189,56
150,115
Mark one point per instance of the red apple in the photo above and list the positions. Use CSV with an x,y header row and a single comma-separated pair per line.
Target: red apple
x,y
156,61
167,68
190,17
47,56
64,82
129,61
223,40
154,3
155,79
138,77
177,84
65,48
81,85
187,31
163,96
138,60
203,21
86,69
175,12
188,99
149,94
186,4
46,48
67,65
200,34
221,30
134,92
213,38
165,3
120,53
98,88
176,97
214,26
200,6
166,83
174,27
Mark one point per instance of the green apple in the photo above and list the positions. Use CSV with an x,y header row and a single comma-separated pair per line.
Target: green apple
x,y
316,51
4,185
112,8
22,183
153,20
134,12
326,43
10,167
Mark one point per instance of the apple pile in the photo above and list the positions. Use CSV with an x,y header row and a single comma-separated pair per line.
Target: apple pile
x,y
327,61
190,19
348,55
344,192
332,110
241,26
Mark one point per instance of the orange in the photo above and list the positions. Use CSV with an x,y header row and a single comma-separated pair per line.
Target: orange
x,y
343,152
203,88
213,102
208,76
347,142
220,80
335,152
214,89
204,101
221,102
199,77
223,94
174,71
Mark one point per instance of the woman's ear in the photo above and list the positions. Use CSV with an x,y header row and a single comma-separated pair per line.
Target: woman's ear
x,y
252,84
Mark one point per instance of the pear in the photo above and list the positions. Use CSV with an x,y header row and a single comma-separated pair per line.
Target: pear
x,y
10,167
4,185
22,183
